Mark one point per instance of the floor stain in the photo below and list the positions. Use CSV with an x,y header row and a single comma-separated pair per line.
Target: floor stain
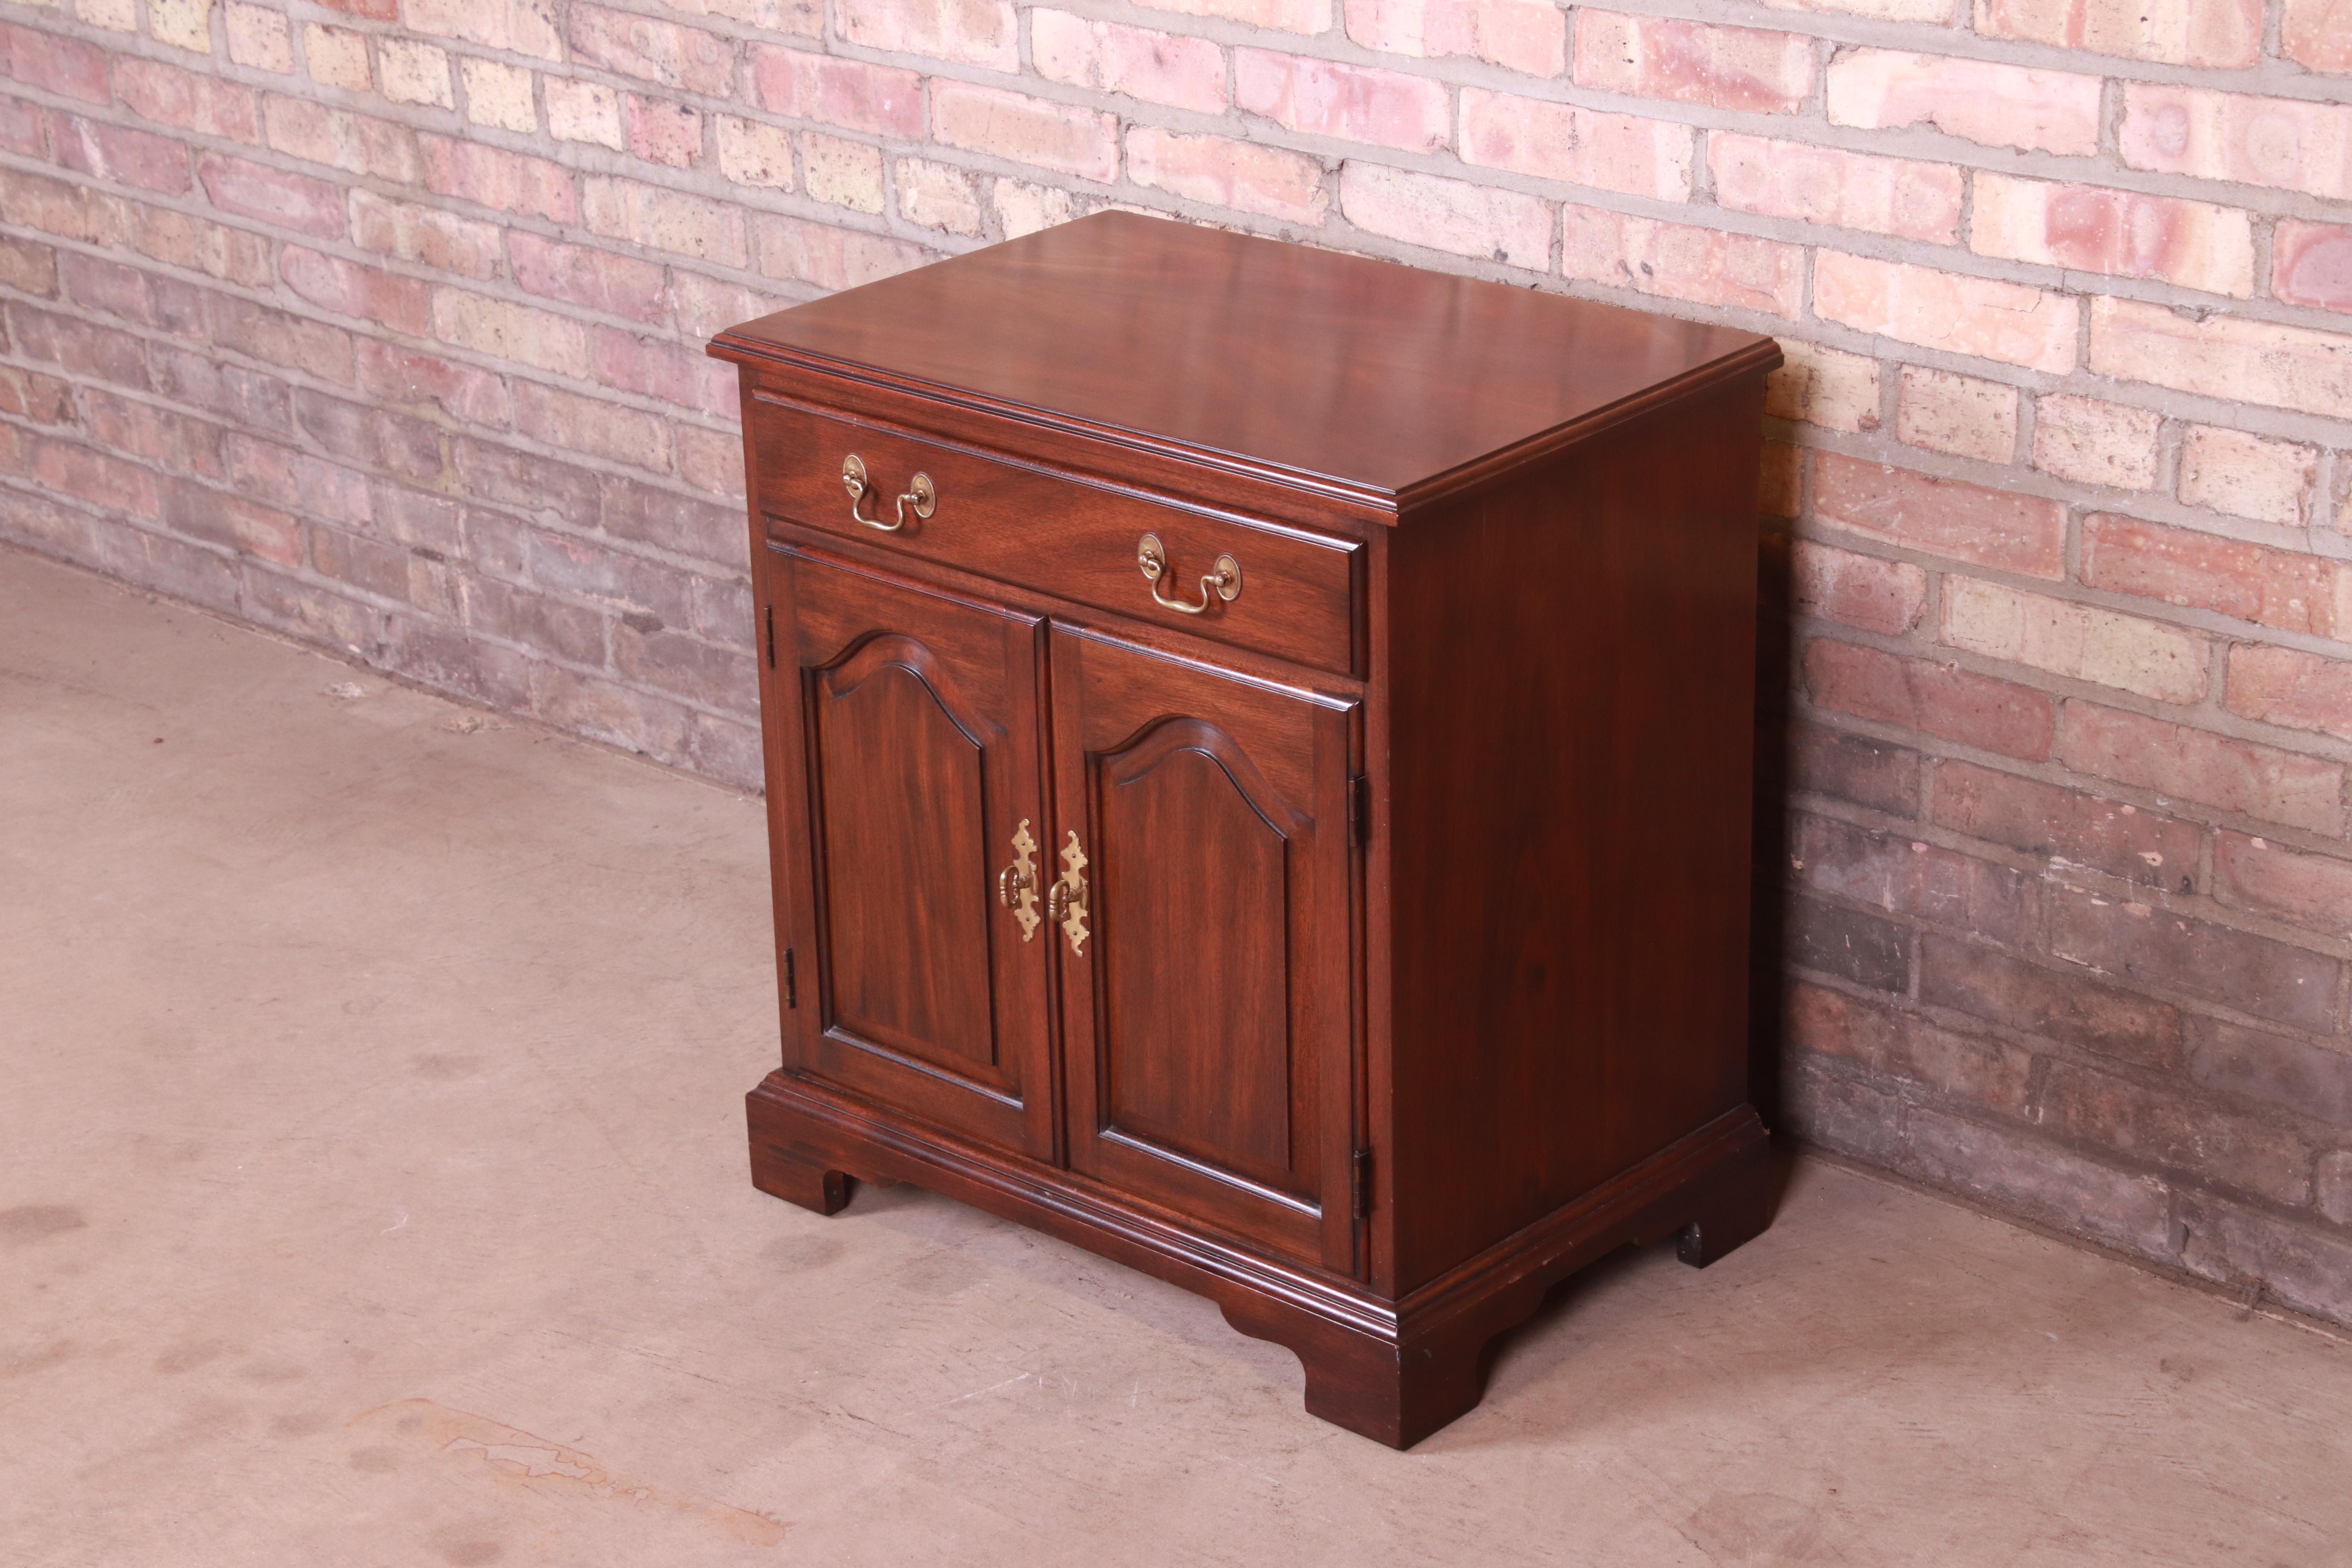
x,y
38,1221
550,1469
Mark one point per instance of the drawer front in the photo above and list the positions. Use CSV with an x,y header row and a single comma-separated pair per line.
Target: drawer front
x,y
1292,594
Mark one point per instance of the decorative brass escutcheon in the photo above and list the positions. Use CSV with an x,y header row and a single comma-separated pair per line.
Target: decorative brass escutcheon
x,y
1066,900
854,480
1222,583
1016,885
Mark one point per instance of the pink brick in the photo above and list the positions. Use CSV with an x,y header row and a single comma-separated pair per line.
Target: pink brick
x,y
1941,699
77,470
402,304
2286,687
2314,891
503,330
68,68
592,425
1354,103
118,152
414,233
1447,214
598,280
1883,597
1106,57
651,50
662,219
2123,234
2192,765
1237,174
970,32
257,191
1658,56
356,144
2284,589
1822,185
526,26
2177,32
1287,16
24,128
1676,261
396,375
2223,356
825,255
2318,34
669,371
2287,143
2095,443
1996,105
2248,476
1961,414
2020,533
849,94
1080,142
1981,316
1577,146
508,182
171,96
1528,36
1824,386
661,132
2311,263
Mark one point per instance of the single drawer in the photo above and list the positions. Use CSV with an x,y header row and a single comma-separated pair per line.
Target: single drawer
x,y
1275,590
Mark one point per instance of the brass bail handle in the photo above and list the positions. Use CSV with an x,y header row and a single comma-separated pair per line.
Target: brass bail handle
x,y
1223,582
1065,900
920,491
1016,885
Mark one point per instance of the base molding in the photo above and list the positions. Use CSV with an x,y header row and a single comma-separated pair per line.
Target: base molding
x,y
1391,1371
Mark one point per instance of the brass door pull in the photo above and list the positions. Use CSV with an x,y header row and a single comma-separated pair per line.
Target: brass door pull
x,y
1224,583
1016,885
854,481
1065,900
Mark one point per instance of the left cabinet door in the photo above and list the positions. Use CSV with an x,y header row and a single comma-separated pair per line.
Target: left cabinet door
x,y
905,770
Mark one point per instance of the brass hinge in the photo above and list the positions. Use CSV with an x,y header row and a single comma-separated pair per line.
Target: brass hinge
x,y
1359,809
792,981
1363,1183
771,636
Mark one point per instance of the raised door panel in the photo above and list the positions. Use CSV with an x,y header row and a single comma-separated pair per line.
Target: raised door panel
x,y
909,769
1206,1001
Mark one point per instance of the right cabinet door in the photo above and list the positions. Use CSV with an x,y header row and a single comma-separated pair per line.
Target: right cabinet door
x,y
1206,983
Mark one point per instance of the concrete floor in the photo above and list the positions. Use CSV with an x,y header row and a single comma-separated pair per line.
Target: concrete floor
x,y
373,1192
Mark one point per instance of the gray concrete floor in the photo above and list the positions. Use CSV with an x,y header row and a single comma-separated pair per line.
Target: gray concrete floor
x,y
373,1192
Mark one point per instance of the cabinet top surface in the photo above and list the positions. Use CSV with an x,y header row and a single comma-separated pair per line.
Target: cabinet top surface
x,y
1360,375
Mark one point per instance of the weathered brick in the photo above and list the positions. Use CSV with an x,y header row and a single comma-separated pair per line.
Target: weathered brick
x,y
402,304
706,305
2317,34
1679,261
259,37
370,436
1447,214
1287,16
2126,234
283,339
2285,686
584,111
409,70
2333,1189
2025,535
1108,57
536,621
139,158
1576,146
1660,57
596,279
2311,263
1824,386
2289,591
498,94
2247,475
1900,197
2095,443
1355,103
219,517
1237,174
1941,699
630,510
939,195
661,132
286,476
1518,34
1834,939
42,399
69,68
1981,316
842,173
149,299
2314,892
2026,1173
153,435
791,18
357,143
1967,977
1868,772
1956,414
171,96
711,460
507,330
252,400
2193,765
77,347
653,51
374,567
183,24
1903,877
1878,595
655,368
1080,142
603,711
591,425
1982,1072
2297,1265
849,94
337,57
723,678
2081,641
24,128
416,233
2176,32
507,181
2284,143
2223,356
754,153
2066,825
524,26
57,206
968,32
828,256
1998,105
1779,479
1837,1110
2311,1080
542,488
272,196
663,219
1025,208
2182,1134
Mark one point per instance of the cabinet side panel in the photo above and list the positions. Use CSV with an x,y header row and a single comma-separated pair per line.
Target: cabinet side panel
x,y
1572,670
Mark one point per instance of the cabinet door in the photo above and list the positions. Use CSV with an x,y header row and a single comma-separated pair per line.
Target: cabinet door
x,y
905,758
1206,1008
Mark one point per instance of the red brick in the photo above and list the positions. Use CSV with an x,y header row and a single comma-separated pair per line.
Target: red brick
x,y
2068,825
2167,1130
2302,1267
217,517
1576,146
652,50
598,279
968,32
1919,694
357,143
1878,595
1080,142
280,339
1847,942
1681,261
2223,356
1867,772
665,370
2192,765
1525,36
2028,1173
825,255
238,254
2283,686
663,132
2252,974
477,398
850,94
2310,264
631,510
664,219
269,471
416,233
2123,234
402,304
508,182
2176,32
257,191
591,425
29,395
1824,184
370,10
118,152
171,96
2024,534
149,299
1447,214
2311,1080
598,707
68,68
153,435
2284,589
1290,16
370,436
1237,174
2317,34
1354,103
1106,57
1902,876
2061,1006
1892,1044
56,206
79,348
2314,892
2286,144
24,128
1998,105
1982,316
1691,62
536,621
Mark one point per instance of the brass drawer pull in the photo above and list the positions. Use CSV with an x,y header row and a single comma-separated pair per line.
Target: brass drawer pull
x,y
1065,900
1223,582
1016,885
854,481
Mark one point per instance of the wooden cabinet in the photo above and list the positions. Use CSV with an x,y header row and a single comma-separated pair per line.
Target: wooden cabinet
x,y
1258,776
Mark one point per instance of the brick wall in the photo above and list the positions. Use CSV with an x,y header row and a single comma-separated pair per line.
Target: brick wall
x,y
378,325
